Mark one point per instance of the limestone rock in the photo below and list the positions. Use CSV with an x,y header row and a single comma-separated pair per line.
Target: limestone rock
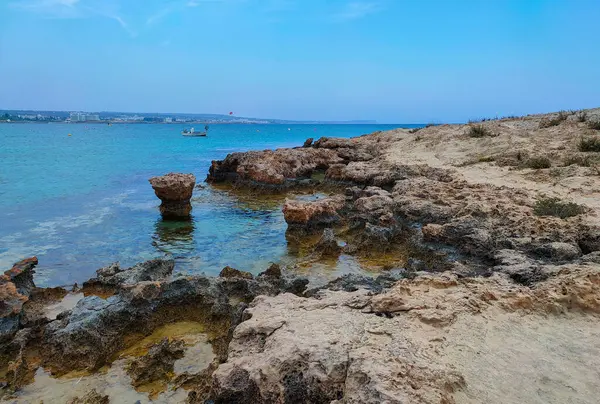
x,y
16,285
175,191
271,168
92,397
229,272
157,364
273,271
113,275
327,246
313,214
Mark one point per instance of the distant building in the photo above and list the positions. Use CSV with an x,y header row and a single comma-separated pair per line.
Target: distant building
x,y
168,120
83,117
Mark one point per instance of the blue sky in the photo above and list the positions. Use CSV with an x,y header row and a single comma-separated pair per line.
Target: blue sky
x,y
394,61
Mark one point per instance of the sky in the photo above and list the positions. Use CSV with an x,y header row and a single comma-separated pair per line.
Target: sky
x,y
394,61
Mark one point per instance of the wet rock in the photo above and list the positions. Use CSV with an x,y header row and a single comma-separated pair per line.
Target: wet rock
x,y
157,364
16,285
175,191
92,397
19,373
327,246
309,215
229,272
113,275
274,271
308,142
21,274
95,329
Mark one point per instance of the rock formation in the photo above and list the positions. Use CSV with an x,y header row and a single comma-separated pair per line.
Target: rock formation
x,y
15,287
175,192
310,215
157,364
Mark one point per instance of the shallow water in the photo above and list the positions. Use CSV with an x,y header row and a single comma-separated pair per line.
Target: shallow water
x,y
83,201
115,382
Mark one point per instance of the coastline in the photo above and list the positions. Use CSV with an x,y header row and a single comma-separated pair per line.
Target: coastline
x,y
499,201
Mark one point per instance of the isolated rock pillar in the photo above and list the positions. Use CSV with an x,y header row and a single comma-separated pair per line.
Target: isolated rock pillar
x,y
175,191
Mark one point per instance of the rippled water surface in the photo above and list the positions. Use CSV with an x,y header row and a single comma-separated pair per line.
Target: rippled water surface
x,y
83,201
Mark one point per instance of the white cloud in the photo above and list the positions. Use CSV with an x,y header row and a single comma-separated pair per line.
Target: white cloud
x,y
357,9
51,8
74,9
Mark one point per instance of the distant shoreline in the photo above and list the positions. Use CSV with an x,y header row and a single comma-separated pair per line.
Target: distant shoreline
x,y
201,123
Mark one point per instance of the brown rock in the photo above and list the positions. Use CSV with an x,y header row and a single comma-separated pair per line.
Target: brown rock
x,y
311,214
15,287
175,191
308,142
274,271
229,272
327,245
271,167
92,397
157,364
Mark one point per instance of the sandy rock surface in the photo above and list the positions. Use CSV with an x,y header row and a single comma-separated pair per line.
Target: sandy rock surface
x,y
435,339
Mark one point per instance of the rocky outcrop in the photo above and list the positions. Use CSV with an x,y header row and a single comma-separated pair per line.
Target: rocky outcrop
x,y
157,364
92,332
113,275
175,192
15,287
229,272
276,168
310,215
409,343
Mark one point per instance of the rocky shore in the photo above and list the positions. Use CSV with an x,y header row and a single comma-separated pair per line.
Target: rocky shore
x,y
491,293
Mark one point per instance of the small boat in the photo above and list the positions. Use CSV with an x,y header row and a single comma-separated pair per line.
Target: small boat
x,y
192,133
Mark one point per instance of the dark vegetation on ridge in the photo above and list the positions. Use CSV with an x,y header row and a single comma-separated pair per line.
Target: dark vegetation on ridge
x,y
556,207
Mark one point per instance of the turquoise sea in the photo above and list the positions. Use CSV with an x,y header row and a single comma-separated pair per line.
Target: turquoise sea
x,y
83,201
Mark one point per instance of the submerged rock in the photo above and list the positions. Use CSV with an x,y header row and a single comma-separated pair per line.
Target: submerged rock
x,y
157,364
175,191
327,246
92,397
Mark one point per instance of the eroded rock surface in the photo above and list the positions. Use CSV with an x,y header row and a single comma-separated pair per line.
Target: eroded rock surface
x,y
15,287
113,275
394,347
175,192
88,336
310,215
157,364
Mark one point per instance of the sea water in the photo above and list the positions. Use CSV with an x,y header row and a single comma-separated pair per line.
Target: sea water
x,y
82,201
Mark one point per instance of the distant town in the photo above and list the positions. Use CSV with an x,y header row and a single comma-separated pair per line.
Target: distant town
x,y
16,116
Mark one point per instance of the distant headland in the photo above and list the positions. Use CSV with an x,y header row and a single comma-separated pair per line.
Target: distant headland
x,y
17,116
